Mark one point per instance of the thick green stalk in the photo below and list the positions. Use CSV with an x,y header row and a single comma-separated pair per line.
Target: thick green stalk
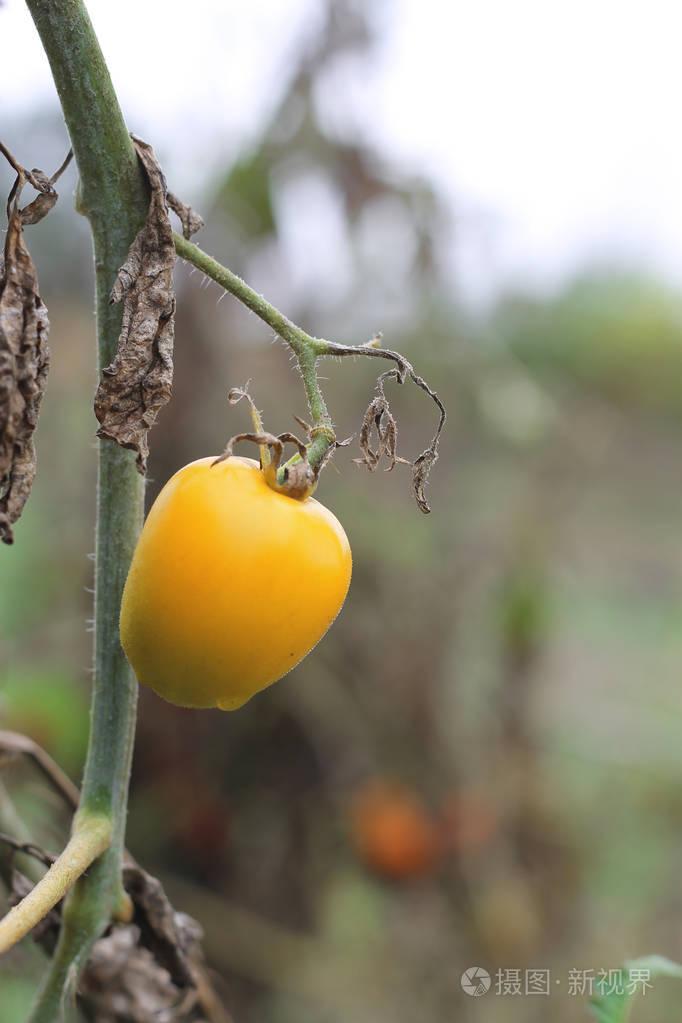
x,y
112,194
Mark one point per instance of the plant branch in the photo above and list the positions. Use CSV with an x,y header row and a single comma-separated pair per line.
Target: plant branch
x,y
16,743
36,178
86,844
305,348
28,848
10,859
296,338
112,193
308,350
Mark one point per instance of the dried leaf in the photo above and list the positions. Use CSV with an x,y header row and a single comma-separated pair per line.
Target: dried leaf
x,y
122,981
379,420
39,208
137,384
422,467
168,935
423,464
24,361
152,970
191,220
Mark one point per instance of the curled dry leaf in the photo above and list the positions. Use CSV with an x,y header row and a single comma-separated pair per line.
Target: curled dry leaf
x,y
171,937
39,208
137,384
122,981
420,475
191,220
379,420
421,467
43,202
24,361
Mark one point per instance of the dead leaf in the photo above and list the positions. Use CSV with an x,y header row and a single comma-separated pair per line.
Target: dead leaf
x,y
421,469
24,361
379,420
122,981
191,220
137,384
39,208
168,935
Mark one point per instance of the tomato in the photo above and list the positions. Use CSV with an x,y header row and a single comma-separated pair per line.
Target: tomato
x,y
393,832
230,586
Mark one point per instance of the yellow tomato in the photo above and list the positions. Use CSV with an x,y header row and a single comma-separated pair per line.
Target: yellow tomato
x,y
230,586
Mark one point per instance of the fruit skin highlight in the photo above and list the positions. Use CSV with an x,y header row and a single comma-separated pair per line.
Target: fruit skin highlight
x,y
230,586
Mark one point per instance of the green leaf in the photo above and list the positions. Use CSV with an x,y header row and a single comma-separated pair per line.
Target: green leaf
x,y
617,991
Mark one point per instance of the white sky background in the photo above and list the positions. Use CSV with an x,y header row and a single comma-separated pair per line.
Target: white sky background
x,y
554,125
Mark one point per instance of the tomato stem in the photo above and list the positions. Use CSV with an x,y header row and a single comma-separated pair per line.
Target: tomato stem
x,y
112,194
308,350
91,836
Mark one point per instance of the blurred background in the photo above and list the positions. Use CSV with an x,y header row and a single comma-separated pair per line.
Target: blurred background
x,y
480,765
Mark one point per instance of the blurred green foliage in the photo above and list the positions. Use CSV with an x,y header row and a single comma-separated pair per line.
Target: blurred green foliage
x,y
616,334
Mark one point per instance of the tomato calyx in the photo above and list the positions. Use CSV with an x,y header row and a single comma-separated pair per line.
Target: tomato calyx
x,y
296,479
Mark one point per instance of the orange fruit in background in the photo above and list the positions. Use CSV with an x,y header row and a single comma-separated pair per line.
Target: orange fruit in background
x,y
393,832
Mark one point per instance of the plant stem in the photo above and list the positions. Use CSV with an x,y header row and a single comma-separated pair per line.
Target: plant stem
x,y
296,338
308,351
85,845
306,348
113,195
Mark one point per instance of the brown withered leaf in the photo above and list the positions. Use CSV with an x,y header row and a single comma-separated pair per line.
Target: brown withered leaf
x,y
137,384
379,420
421,469
24,361
191,220
168,935
122,981
39,208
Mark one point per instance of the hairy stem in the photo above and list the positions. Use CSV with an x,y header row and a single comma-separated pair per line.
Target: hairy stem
x,y
296,338
113,195
308,350
85,845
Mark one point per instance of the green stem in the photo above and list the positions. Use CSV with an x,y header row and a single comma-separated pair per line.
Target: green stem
x,y
113,195
296,338
306,348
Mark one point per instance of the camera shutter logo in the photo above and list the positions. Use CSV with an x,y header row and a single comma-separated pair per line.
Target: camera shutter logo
x,y
475,981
